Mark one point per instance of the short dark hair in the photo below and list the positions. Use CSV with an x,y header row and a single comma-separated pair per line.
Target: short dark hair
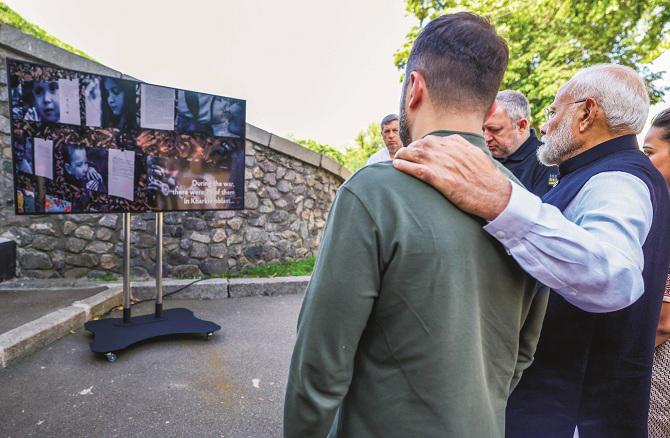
x,y
662,121
462,59
388,119
70,149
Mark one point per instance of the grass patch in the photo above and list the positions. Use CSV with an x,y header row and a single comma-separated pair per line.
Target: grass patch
x,y
290,269
108,276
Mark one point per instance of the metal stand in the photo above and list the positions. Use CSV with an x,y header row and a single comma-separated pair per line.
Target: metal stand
x,y
126,267
114,334
159,264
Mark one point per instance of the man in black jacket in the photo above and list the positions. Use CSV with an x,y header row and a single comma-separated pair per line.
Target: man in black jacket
x,y
513,142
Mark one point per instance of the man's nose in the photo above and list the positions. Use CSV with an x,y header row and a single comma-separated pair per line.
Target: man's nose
x,y
543,129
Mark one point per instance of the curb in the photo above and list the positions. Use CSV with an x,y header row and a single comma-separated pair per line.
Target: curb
x,y
219,288
30,337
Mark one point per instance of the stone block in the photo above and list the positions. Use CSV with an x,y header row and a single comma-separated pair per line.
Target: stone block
x,y
137,223
45,243
76,273
219,236
72,244
109,220
218,250
235,223
109,261
284,186
84,232
99,247
69,227
214,267
44,228
31,259
187,271
257,135
82,260
195,223
104,233
255,235
200,237
199,250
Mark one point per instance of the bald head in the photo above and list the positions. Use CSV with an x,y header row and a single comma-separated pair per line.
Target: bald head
x,y
618,90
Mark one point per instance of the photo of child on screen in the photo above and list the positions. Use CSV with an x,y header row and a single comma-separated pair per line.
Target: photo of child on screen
x,y
119,108
45,100
23,155
82,172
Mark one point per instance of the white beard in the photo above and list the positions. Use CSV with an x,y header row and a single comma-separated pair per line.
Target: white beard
x,y
557,144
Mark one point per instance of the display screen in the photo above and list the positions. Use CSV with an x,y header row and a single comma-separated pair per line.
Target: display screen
x,y
86,143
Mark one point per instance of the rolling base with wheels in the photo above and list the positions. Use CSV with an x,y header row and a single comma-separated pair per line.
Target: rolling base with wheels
x,y
113,334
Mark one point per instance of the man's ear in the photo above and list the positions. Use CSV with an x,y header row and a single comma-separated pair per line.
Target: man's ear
x,y
416,89
522,124
588,115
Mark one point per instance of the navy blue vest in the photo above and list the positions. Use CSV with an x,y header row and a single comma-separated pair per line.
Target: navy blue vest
x,y
594,369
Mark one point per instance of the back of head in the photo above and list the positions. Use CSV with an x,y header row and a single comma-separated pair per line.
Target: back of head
x,y
462,59
516,105
618,90
662,121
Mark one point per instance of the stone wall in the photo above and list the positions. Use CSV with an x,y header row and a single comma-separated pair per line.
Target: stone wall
x,y
288,191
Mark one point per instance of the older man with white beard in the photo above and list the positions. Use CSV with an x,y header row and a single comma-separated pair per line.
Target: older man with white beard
x,y
599,239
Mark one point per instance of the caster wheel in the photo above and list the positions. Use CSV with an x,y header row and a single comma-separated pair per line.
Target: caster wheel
x,y
208,336
111,357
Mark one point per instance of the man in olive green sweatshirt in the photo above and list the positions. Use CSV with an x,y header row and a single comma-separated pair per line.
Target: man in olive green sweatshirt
x,y
416,322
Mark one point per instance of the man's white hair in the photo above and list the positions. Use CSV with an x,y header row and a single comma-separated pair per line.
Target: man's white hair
x,y
515,104
620,92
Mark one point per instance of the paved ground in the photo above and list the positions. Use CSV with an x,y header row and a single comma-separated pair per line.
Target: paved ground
x,y
230,386
19,306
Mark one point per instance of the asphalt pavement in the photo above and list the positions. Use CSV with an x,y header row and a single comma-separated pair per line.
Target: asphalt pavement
x,y
230,386
21,305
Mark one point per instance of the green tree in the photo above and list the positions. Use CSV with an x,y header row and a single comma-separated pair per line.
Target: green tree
x,y
368,141
550,40
321,148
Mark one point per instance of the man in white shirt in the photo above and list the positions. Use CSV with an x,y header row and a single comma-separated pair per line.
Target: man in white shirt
x,y
599,239
390,134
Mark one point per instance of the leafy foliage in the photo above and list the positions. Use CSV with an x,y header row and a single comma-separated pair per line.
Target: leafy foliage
x,y
550,40
321,148
8,16
368,141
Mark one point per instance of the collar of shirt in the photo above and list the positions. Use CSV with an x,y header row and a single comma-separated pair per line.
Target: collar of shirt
x,y
527,148
471,137
605,148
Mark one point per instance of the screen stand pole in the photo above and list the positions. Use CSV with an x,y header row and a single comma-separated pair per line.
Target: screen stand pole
x,y
159,264
126,267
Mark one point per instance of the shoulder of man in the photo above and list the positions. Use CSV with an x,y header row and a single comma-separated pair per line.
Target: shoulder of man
x,y
379,176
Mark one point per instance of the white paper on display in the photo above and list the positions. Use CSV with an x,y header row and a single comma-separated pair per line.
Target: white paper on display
x,y
68,90
157,107
121,173
44,158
